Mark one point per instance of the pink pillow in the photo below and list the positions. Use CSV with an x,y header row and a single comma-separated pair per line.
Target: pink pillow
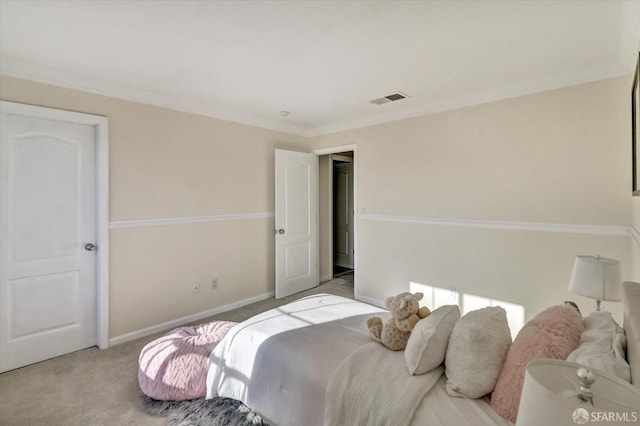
x,y
553,333
174,367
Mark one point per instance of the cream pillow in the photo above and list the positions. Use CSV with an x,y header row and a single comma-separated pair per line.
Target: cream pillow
x,y
477,348
427,345
602,346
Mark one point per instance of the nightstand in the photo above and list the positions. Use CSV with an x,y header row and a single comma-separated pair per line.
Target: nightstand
x,y
562,393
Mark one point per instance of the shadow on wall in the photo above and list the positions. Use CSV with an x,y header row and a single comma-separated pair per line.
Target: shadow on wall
x,y
435,297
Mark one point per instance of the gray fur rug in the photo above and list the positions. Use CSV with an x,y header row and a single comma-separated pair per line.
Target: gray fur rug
x,y
202,412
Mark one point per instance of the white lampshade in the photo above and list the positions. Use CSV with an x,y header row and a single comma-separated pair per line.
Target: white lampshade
x,y
596,277
550,396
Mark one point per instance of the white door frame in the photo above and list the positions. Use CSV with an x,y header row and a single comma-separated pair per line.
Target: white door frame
x,y
344,159
335,150
101,125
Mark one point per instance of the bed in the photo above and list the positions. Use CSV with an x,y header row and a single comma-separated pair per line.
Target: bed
x,y
313,362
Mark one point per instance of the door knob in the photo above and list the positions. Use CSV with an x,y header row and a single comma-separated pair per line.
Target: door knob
x,y
90,247
280,231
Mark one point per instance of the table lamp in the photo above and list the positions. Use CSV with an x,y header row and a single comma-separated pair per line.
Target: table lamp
x,y
597,278
562,393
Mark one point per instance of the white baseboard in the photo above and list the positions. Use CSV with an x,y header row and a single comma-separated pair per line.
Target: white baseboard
x,y
371,301
127,337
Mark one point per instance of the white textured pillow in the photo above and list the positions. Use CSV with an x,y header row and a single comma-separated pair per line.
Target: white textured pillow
x,y
602,346
477,349
427,345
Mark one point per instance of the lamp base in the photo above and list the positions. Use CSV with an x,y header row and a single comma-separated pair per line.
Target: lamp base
x,y
598,305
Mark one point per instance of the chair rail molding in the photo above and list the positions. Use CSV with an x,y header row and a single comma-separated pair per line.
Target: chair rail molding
x,y
139,223
612,230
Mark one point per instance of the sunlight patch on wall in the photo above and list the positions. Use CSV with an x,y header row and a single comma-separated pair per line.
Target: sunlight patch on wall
x,y
434,297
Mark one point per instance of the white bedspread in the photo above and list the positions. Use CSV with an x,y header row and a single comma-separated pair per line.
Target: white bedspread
x,y
291,362
278,357
374,387
438,408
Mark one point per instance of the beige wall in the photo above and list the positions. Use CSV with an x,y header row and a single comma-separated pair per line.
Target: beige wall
x,y
558,157
169,164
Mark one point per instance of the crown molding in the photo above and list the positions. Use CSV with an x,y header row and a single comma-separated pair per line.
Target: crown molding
x,y
68,80
548,83
72,81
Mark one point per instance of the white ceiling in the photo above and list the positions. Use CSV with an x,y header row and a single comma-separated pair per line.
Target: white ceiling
x,y
321,60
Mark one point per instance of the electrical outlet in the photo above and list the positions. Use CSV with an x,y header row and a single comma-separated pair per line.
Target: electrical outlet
x,y
214,284
195,288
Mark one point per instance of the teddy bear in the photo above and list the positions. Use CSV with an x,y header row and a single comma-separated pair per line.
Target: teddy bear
x,y
405,313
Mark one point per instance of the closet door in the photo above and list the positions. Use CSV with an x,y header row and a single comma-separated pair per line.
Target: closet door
x,y
48,238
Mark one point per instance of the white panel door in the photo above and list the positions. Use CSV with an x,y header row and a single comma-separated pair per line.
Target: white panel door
x,y
47,226
343,215
296,222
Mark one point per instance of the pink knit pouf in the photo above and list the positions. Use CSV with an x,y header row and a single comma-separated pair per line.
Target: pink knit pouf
x,y
174,367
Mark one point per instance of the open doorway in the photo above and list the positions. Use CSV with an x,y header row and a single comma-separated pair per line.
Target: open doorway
x,y
336,216
343,250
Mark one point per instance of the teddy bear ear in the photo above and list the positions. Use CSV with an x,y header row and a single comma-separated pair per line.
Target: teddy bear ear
x,y
418,295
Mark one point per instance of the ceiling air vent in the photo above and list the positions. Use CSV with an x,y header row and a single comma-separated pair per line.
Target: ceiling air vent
x,y
389,98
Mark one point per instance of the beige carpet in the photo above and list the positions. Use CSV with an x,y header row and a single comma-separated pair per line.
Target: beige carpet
x,y
100,387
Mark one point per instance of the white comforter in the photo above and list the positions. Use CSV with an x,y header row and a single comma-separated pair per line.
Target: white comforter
x,y
373,387
279,365
312,362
